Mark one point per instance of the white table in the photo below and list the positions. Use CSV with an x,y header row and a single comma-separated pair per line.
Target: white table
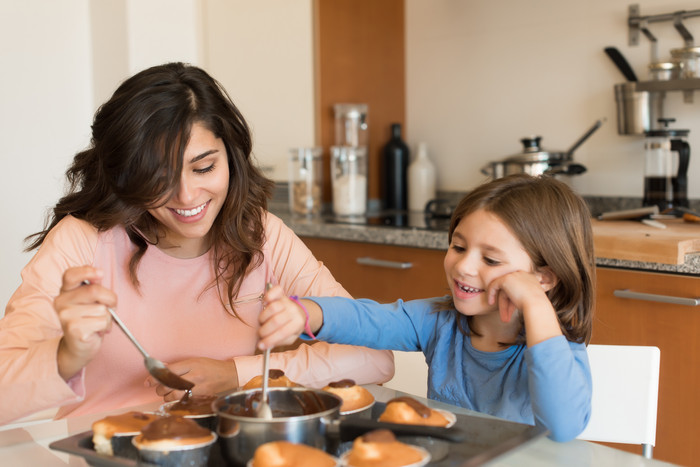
x,y
28,446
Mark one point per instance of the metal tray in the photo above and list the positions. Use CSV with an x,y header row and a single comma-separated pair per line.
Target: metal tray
x,y
487,438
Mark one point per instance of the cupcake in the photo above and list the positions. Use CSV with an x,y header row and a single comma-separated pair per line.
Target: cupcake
x,y
287,454
379,448
408,411
276,379
112,435
355,398
174,441
198,408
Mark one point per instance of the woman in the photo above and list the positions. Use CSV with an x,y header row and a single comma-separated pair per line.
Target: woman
x,y
165,221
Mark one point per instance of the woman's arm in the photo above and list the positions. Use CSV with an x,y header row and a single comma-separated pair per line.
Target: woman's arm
x,y
31,334
299,273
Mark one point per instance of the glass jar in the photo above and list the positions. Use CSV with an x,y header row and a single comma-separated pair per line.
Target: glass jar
x,y
305,181
351,125
689,58
349,180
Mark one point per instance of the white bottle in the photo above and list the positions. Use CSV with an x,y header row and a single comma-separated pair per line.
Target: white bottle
x,y
421,180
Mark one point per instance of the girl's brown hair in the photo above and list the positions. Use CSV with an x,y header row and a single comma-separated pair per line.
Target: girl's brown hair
x,y
135,159
553,225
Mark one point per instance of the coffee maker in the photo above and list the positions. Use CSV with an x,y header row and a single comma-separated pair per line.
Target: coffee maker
x,y
667,155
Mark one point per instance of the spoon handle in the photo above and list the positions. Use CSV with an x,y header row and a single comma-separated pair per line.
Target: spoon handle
x,y
123,327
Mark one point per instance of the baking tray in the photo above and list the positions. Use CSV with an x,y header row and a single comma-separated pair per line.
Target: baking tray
x,y
487,438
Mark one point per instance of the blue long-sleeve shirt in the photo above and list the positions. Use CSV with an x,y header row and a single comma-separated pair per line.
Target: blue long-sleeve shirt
x,y
547,385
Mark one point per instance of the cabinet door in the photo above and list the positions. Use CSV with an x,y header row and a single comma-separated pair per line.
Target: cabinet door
x,y
675,329
382,272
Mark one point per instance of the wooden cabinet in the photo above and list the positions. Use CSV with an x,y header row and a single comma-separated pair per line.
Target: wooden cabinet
x,y
675,329
382,272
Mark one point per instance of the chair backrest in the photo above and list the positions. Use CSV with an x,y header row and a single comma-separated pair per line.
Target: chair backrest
x,y
625,395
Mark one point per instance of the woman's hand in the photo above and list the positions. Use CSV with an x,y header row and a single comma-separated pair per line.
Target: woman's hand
x,y
281,320
526,291
82,311
209,376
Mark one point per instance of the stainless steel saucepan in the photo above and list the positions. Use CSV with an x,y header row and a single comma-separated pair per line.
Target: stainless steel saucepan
x,y
534,160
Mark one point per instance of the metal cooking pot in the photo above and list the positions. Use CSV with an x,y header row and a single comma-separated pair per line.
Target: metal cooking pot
x,y
300,415
536,161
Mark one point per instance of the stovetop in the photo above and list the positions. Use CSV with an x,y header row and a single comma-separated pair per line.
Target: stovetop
x,y
435,217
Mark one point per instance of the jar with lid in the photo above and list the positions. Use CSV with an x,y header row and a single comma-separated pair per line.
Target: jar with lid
x,y
689,58
349,180
305,181
351,125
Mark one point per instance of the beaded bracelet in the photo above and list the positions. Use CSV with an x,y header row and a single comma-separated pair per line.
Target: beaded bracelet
x,y
307,329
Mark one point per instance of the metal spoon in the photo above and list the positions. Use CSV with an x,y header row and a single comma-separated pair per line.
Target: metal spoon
x,y
264,410
155,367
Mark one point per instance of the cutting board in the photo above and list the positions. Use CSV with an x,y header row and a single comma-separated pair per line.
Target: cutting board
x,y
635,241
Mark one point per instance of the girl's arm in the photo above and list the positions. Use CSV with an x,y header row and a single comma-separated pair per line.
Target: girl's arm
x,y
283,319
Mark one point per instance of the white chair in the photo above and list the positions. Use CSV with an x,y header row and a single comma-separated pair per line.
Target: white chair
x,y
625,395
410,374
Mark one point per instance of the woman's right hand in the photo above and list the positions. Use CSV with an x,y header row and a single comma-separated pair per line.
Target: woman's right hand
x,y
82,311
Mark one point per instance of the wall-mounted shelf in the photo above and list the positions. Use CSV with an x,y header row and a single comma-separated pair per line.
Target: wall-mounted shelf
x,y
686,84
638,23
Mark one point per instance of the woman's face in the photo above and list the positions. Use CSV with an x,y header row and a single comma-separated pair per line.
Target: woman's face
x,y
482,249
189,213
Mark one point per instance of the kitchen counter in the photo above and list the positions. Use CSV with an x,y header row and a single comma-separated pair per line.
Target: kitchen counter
x,y
619,244
29,446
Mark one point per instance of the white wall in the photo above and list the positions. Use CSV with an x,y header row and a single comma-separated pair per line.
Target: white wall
x,y
481,74
61,59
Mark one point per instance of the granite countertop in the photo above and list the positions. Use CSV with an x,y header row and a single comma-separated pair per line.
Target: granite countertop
x,y
325,227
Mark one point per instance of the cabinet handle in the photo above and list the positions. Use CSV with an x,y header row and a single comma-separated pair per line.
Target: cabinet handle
x,y
650,297
383,263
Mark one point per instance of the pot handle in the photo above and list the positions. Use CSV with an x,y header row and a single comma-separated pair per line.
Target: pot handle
x,y
583,138
351,428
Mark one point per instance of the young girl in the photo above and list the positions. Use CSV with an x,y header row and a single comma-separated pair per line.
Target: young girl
x,y
166,219
511,339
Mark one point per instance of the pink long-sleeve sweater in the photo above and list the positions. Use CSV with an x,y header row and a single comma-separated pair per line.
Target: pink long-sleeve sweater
x,y
175,315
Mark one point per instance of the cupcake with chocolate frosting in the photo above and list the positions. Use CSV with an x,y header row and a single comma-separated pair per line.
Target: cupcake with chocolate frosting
x,y
174,441
276,379
355,398
379,448
197,407
112,435
409,411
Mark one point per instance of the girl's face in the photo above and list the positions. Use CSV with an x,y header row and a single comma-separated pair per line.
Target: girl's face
x,y
482,249
189,213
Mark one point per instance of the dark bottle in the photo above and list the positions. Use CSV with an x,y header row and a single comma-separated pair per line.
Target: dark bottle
x,y
394,171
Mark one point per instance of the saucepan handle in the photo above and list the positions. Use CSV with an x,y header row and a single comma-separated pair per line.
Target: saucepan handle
x,y
351,428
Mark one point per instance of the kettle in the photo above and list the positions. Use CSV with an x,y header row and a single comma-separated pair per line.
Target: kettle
x,y
667,156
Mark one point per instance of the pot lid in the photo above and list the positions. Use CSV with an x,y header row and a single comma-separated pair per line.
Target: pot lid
x,y
666,131
533,152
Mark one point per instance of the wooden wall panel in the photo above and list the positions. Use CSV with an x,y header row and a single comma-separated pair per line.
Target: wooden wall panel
x,y
359,55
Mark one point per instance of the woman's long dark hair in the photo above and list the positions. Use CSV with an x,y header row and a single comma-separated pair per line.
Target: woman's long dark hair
x,y
135,159
553,225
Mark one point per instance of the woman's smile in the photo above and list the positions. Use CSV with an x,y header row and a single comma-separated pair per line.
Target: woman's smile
x,y
190,215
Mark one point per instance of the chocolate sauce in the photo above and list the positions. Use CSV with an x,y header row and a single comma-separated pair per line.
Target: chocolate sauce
x,y
307,403
170,379
379,436
173,428
343,383
193,405
419,408
275,373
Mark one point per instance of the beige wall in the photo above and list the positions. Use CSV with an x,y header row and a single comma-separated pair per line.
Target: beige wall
x,y
61,59
481,74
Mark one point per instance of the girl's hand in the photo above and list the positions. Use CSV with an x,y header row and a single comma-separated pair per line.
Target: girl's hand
x,y
281,320
516,291
526,291
82,311
209,376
